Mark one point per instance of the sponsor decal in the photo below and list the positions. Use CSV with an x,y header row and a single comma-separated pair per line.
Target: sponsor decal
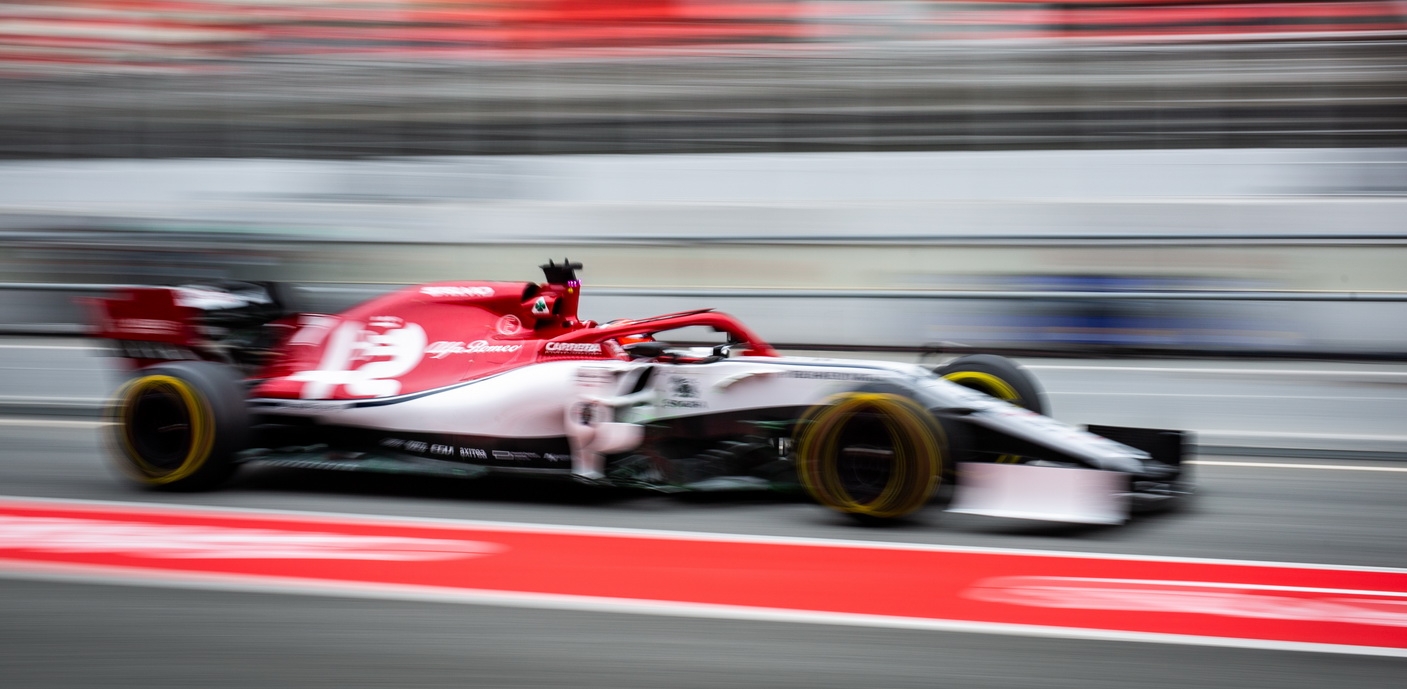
x,y
457,291
206,299
471,455
833,375
189,542
442,348
683,394
407,445
586,348
510,456
594,377
386,322
541,307
148,326
683,387
509,325
585,413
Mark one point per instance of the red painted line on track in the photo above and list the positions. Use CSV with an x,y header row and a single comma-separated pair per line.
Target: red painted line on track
x,y
1311,604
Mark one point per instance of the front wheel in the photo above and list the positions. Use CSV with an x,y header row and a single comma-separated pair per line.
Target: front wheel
x,y
178,426
872,455
998,377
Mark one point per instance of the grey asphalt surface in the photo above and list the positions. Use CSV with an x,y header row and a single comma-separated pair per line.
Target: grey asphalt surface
x,y
58,634
179,639
61,634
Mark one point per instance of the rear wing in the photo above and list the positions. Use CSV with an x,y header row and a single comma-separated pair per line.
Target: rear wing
x,y
142,314
149,325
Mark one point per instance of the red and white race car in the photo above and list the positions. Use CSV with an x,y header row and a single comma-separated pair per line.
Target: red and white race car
x,y
466,378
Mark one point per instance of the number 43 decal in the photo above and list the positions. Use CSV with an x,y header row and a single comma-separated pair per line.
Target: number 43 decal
x,y
365,359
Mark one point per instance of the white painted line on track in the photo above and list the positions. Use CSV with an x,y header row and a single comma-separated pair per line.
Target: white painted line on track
x,y
44,346
1205,433
1239,586
1219,371
52,423
1293,465
65,367
546,601
1114,393
83,401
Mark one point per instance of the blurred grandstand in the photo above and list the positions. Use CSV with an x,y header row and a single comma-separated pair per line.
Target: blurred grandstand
x,y
351,78
172,33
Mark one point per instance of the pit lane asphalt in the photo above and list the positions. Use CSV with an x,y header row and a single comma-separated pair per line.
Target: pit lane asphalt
x,y
69,635
55,634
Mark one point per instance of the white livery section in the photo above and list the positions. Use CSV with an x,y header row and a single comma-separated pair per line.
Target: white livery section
x,y
600,406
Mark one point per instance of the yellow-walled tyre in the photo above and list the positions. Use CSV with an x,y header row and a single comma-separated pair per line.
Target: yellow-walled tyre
x,y
872,455
998,377
178,426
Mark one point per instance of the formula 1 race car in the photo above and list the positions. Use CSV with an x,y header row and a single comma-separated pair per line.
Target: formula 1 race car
x,y
467,378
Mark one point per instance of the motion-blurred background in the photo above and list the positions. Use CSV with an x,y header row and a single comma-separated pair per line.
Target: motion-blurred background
x,y
1088,176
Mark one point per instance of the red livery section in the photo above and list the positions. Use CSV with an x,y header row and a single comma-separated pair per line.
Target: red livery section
x,y
407,341
987,589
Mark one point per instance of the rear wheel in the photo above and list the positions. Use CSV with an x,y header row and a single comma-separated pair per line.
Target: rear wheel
x,y
872,455
178,426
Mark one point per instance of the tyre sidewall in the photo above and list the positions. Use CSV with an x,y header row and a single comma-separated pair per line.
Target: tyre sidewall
x,y
211,396
921,466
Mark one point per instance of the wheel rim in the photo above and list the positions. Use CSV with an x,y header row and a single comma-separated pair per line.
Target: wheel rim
x,y
870,454
160,428
164,429
987,384
865,450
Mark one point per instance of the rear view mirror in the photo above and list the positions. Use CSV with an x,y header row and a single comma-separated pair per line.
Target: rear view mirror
x,y
645,350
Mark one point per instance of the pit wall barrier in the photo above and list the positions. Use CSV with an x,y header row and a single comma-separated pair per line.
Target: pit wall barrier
x,y
1037,249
